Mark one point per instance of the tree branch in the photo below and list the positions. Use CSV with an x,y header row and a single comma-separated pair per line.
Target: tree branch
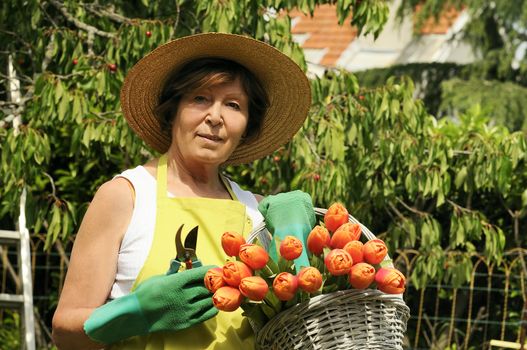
x,y
53,23
176,21
18,37
48,53
10,269
100,11
413,210
396,211
81,25
62,253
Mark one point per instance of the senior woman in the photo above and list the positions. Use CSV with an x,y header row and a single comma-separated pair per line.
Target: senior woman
x,y
202,101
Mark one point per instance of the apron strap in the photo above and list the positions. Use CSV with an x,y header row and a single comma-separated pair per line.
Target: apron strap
x,y
228,186
162,177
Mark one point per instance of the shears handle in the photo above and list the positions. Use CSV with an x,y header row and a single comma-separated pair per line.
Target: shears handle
x,y
175,265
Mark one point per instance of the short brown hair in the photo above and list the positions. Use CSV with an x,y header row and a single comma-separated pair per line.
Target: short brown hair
x,y
206,72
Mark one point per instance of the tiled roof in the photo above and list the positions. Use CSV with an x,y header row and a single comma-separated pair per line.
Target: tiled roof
x,y
442,24
324,32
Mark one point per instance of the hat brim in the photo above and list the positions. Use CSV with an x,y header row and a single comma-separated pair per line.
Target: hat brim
x,y
286,84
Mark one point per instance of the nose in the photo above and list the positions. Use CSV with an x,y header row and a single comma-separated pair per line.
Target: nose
x,y
214,117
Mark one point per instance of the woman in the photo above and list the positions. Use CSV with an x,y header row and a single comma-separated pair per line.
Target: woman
x,y
202,101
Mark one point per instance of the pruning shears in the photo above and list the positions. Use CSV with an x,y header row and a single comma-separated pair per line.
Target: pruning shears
x,y
185,253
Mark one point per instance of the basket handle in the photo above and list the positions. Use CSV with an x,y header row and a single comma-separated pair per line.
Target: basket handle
x,y
263,235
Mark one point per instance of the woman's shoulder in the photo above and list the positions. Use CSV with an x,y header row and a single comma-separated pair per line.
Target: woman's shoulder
x,y
116,190
151,166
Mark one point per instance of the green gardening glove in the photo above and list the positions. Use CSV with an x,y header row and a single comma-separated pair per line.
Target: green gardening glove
x,y
289,214
161,303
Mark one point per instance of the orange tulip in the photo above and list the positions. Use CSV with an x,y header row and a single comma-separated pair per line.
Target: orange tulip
x,y
309,279
234,272
336,215
285,286
354,248
374,251
291,248
338,262
318,239
254,256
345,233
227,298
231,242
214,279
390,280
254,288
362,275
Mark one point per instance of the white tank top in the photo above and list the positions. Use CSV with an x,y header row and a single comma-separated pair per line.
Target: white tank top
x,y
139,235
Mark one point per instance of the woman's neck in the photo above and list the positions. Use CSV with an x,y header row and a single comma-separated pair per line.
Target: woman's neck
x,y
193,179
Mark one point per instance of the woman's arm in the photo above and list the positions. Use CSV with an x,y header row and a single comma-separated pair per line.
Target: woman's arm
x,y
93,264
258,197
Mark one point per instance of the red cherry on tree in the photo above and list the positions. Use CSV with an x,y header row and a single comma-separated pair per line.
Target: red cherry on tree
x,y
316,177
149,34
75,61
276,159
112,67
361,97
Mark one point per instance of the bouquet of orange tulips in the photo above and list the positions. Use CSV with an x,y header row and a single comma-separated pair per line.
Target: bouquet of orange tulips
x,y
339,260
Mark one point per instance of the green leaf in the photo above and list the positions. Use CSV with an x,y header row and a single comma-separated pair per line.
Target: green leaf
x,y
524,198
63,107
460,177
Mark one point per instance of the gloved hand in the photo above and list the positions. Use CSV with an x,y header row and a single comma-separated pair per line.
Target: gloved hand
x,y
289,214
161,303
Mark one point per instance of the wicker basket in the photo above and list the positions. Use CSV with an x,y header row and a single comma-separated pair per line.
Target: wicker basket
x,y
348,319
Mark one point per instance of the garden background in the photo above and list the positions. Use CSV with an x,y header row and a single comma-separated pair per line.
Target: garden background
x,y
441,178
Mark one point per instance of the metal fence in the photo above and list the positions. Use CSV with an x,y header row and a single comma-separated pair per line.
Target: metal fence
x,y
489,307
470,316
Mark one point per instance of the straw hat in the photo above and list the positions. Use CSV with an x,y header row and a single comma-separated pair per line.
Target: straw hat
x,y
285,83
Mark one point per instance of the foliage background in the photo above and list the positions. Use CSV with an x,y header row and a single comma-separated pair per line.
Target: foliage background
x,y
447,187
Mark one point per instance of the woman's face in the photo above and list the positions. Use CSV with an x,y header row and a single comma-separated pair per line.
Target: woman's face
x,y
209,123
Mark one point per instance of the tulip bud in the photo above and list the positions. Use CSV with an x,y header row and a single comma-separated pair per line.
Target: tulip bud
x,y
354,248
338,262
285,286
214,279
227,298
345,233
318,239
336,215
309,279
374,251
254,288
390,280
234,272
362,275
254,256
291,248
231,242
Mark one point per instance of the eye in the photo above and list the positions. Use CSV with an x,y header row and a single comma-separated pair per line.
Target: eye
x,y
234,105
200,99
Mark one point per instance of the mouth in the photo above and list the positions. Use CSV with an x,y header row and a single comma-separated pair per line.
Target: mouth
x,y
211,137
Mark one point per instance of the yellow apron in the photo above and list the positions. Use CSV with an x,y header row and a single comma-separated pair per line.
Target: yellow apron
x,y
228,330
